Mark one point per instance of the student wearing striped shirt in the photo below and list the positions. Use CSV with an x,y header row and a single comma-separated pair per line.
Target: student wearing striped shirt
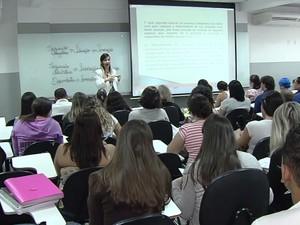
x,y
189,136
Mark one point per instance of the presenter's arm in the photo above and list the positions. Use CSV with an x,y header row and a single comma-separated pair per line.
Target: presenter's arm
x,y
99,79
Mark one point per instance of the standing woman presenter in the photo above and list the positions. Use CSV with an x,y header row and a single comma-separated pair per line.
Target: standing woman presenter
x,y
106,76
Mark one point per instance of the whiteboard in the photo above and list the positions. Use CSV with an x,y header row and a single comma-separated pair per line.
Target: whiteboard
x,y
53,60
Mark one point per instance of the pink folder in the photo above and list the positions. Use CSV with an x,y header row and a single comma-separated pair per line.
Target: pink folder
x,y
33,189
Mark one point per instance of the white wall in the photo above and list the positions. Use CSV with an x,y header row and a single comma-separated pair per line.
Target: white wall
x,y
8,38
274,44
73,11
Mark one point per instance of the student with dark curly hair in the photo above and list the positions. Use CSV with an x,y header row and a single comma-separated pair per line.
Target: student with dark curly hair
x,y
151,111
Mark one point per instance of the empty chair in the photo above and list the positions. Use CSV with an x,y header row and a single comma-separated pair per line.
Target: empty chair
x,y
13,219
76,194
262,148
154,219
162,130
238,118
122,116
173,163
172,114
237,197
40,147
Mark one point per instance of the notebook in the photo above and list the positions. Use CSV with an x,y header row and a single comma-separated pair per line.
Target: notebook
x,y
33,189
9,204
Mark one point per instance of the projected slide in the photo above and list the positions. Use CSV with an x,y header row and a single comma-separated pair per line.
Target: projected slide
x,y
177,46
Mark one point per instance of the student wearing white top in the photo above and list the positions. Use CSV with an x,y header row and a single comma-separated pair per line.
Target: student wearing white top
x,y
290,170
106,76
237,99
257,130
62,104
151,111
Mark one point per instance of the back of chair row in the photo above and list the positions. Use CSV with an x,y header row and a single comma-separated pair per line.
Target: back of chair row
x,y
235,198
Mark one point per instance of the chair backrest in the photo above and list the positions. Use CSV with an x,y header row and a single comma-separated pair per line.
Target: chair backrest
x,y
59,119
238,118
172,114
153,219
40,147
121,116
243,190
2,158
173,163
76,190
162,130
68,131
262,148
10,122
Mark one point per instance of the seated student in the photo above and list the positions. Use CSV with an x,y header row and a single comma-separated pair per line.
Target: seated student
x,y
101,96
110,125
151,111
285,118
237,99
189,136
285,84
35,127
62,104
296,97
135,183
257,130
224,94
290,170
205,83
86,148
26,104
255,88
166,100
217,155
78,101
267,84
206,91
115,102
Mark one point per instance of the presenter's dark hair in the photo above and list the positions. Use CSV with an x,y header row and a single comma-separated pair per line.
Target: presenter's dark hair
x,y
199,106
26,103
204,90
222,86
60,93
269,82
40,107
254,79
271,102
150,98
236,90
103,57
204,83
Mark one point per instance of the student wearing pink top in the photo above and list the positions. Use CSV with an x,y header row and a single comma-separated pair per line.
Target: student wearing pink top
x,y
190,136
